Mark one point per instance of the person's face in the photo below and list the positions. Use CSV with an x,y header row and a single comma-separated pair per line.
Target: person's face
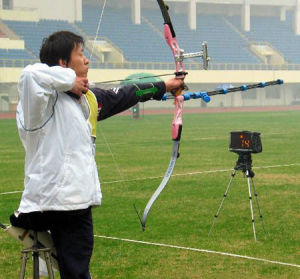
x,y
78,62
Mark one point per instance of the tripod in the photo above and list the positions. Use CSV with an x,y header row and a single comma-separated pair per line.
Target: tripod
x,y
36,250
244,163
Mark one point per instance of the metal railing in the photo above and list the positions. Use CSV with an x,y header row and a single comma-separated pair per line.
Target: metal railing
x,y
16,63
21,63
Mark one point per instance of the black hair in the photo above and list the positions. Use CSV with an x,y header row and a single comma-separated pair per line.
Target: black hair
x,y
59,45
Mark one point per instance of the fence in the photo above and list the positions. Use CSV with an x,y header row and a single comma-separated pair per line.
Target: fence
x,y
21,63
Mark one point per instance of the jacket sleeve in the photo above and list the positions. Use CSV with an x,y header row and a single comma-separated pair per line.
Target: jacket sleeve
x,y
37,88
116,100
44,79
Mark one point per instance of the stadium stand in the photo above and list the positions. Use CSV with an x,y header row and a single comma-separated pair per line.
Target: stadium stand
x,y
228,43
132,39
15,57
278,33
225,45
15,54
33,32
117,26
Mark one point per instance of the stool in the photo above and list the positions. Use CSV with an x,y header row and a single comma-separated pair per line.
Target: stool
x,y
36,250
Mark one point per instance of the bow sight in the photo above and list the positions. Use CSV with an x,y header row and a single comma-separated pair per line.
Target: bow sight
x,y
203,53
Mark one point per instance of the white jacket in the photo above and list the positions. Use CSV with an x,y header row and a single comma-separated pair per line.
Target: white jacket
x,y
60,169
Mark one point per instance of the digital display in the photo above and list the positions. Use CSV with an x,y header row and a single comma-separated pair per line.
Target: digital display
x,y
245,141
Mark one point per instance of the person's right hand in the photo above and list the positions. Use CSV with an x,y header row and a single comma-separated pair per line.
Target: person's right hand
x,y
81,86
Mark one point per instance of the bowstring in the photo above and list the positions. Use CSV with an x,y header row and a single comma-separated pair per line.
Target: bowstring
x,y
98,29
101,132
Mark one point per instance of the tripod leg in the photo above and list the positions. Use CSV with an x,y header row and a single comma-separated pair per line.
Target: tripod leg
x,y
23,265
36,271
259,210
49,265
224,197
251,205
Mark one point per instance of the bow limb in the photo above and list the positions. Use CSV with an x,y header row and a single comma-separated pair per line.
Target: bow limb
x,y
180,72
163,184
171,40
176,134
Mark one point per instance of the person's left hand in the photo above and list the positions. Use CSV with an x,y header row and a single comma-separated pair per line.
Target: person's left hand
x,y
173,84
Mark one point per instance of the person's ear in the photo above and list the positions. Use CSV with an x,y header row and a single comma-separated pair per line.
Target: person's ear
x,y
62,63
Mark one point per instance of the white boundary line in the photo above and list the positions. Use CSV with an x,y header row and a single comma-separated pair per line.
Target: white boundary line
x,y
174,175
167,140
198,250
161,176
195,173
7,193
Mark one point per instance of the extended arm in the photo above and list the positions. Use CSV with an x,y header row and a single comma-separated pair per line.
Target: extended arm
x,y
116,100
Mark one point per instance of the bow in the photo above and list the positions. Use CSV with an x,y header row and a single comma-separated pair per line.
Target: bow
x,y
180,72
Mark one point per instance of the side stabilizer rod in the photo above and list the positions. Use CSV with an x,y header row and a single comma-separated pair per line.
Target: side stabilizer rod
x,y
205,95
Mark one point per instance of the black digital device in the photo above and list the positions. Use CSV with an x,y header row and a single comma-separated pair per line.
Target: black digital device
x,y
245,142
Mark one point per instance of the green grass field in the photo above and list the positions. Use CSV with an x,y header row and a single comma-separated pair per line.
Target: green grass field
x,y
131,167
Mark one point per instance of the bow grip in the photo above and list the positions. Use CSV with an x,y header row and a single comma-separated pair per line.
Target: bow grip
x,y
177,121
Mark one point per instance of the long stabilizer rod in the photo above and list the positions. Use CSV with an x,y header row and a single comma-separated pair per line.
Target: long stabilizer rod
x,y
205,95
